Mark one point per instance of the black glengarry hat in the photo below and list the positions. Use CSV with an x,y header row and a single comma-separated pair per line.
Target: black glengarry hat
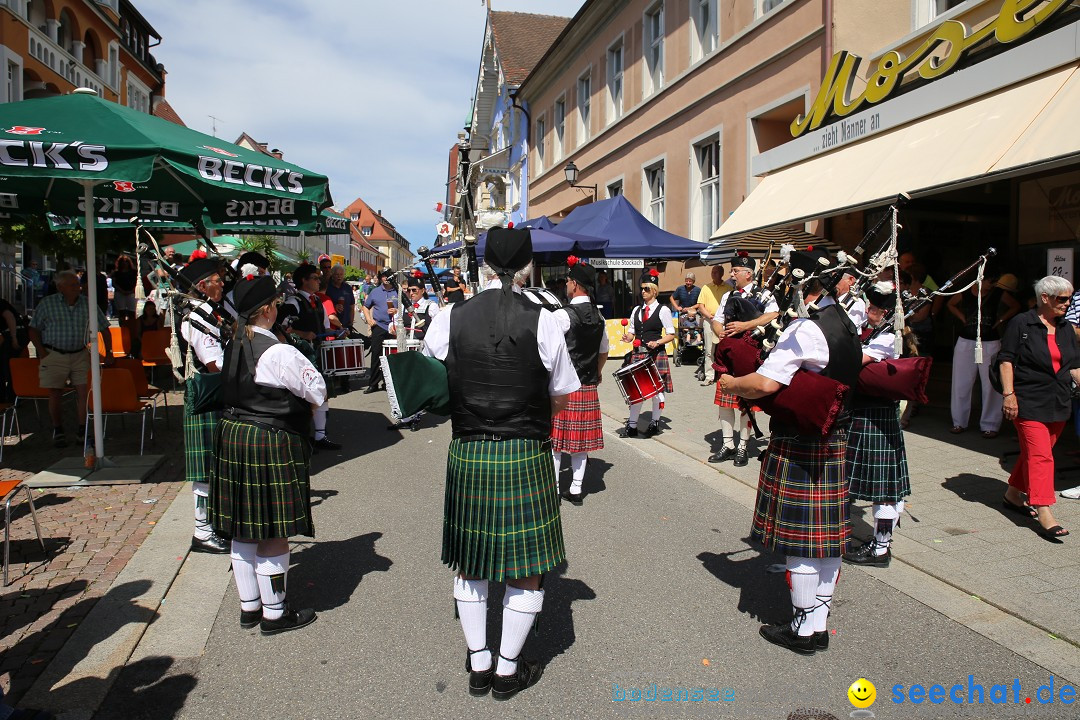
x,y
581,273
649,276
251,294
200,269
882,294
415,279
743,259
508,248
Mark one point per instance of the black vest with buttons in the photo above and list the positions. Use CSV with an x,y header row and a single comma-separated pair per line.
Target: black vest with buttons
x,y
309,319
249,402
583,340
497,390
649,330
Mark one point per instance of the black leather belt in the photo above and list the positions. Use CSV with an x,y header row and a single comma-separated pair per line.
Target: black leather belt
x,y
494,438
64,352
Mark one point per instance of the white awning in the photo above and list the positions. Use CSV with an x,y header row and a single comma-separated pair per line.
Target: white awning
x,y
1011,131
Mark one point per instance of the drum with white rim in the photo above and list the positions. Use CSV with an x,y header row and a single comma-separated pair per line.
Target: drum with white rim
x,y
390,346
342,357
639,381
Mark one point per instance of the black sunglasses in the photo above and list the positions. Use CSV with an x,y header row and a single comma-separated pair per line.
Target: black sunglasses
x,y
1062,298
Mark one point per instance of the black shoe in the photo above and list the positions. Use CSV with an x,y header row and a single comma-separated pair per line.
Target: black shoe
x,y
653,429
372,387
740,457
58,438
629,432
214,545
784,636
864,555
291,620
821,640
325,444
250,618
504,687
479,680
572,498
724,454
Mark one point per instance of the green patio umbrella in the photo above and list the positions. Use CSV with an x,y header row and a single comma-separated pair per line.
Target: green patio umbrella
x,y
78,154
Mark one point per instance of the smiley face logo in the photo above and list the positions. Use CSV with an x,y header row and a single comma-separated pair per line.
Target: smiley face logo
x,y
862,693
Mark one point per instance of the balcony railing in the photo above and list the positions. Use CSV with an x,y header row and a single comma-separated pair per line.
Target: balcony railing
x,y
62,62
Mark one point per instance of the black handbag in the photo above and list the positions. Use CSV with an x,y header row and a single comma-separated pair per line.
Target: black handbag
x,y
204,392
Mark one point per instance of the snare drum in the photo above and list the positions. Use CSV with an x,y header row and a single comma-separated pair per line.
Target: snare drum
x,y
390,346
342,357
639,381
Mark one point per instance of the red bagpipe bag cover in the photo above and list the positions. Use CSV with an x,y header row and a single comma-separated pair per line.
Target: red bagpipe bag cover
x,y
899,379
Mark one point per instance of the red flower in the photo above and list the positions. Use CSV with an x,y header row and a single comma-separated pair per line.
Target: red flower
x,y
625,322
249,276
743,253
198,254
809,248
637,343
416,305
654,273
572,260
417,274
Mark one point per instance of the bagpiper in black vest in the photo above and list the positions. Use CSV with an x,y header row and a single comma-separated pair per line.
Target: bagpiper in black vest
x,y
497,390
247,401
420,316
583,340
309,318
650,330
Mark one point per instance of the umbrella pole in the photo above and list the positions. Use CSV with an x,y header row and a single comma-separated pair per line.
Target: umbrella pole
x,y
91,292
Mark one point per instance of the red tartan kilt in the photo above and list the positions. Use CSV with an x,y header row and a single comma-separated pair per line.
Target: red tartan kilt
x,y
579,428
662,366
725,400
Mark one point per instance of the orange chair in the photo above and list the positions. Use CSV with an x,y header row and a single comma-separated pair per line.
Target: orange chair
x,y
118,397
8,489
143,389
25,383
121,341
154,344
9,421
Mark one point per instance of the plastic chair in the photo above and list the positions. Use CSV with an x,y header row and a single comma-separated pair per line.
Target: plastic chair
x,y
154,345
144,389
118,397
8,489
121,341
26,384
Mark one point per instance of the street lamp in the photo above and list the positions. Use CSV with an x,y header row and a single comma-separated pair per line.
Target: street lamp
x,y
571,173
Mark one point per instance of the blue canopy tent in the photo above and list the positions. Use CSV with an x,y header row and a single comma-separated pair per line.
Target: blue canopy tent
x,y
540,223
547,242
629,233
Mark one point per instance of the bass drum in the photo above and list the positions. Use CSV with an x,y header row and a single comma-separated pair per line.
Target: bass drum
x,y
542,297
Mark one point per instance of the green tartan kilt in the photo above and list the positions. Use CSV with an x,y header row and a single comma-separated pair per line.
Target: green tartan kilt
x,y
260,488
501,514
877,458
199,445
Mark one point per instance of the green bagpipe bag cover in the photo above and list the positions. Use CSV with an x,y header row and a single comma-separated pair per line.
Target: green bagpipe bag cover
x,y
416,382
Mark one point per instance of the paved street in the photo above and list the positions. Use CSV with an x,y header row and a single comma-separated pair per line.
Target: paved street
x,y
661,587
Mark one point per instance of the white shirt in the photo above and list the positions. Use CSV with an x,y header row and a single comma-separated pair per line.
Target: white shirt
x,y
801,345
665,317
295,302
857,312
551,342
283,366
563,319
426,308
882,347
207,347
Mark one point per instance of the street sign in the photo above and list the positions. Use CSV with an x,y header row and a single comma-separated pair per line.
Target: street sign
x,y
444,229
617,263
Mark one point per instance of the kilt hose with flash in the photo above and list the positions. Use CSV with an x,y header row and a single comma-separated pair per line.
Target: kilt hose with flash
x,y
662,365
579,428
501,512
801,507
260,488
877,458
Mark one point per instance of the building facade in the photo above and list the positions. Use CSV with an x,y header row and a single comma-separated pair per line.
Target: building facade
x,y
380,234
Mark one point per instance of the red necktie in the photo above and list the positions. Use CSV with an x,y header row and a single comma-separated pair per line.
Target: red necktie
x,y
314,302
645,313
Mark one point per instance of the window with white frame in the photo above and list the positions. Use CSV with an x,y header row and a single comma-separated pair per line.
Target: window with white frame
x,y
654,50
138,95
14,83
560,128
705,206
584,107
764,7
925,11
704,38
615,82
615,189
541,135
653,193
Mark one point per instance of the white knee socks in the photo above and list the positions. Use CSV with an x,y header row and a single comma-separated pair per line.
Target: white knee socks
x,y
556,456
271,572
520,608
635,410
727,426
471,599
656,402
577,464
886,517
202,517
802,576
828,574
320,420
245,556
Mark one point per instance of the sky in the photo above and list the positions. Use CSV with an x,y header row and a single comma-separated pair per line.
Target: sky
x,y
369,93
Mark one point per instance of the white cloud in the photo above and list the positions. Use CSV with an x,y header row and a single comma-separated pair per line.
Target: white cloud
x,y
369,93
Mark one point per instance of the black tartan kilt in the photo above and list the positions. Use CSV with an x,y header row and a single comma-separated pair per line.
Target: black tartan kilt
x,y
877,458
260,487
801,507
501,513
199,431
662,366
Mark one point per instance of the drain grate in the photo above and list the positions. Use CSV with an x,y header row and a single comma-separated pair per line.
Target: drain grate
x,y
811,714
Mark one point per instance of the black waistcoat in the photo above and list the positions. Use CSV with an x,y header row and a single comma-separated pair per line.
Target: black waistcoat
x,y
497,390
309,319
247,401
650,330
583,340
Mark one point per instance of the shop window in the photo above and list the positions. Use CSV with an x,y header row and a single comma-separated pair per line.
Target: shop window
x,y
704,36
584,107
654,50
705,205
653,193
615,82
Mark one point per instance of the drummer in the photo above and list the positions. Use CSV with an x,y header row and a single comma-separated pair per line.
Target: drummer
x,y
650,330
419,311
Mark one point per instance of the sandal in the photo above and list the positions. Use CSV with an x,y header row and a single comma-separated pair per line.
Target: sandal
x,y
1052,533
990,434
956,429
1020,509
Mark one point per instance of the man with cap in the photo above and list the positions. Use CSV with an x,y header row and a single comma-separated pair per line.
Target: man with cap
x,y
304,316
508,373
326,264
876,456
732,318
418,314
855,306
802,503
650,330
260,487
202,343
250,263
578,430
379,310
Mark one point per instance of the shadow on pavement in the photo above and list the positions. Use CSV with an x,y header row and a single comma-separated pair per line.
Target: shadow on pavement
x,y
593,481
333,570
360,432
763,596
154,688
319,496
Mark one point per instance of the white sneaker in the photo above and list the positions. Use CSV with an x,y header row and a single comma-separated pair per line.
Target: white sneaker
x,y
1071,493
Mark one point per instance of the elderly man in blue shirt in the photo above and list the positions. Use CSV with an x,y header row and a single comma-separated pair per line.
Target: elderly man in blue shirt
x,y
379,309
